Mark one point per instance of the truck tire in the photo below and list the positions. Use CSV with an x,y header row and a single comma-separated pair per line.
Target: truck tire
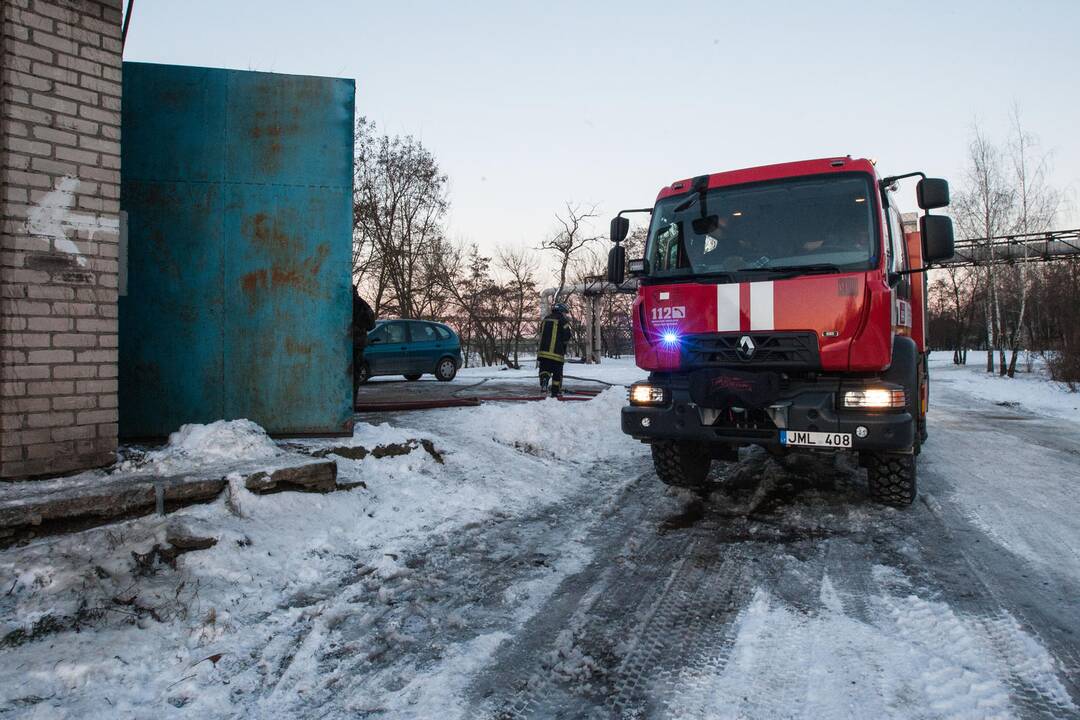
x,y
681,464
892,478
726,453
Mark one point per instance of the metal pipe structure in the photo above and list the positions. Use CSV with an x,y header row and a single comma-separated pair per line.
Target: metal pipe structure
x,y
593,290
1017,248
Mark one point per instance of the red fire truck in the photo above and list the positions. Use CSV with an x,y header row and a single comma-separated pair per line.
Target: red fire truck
x,y
784,306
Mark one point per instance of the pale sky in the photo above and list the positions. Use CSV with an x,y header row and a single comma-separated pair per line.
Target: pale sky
x,y
528,105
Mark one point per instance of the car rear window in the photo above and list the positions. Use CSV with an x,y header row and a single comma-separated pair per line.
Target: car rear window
x,y
443,332
422,332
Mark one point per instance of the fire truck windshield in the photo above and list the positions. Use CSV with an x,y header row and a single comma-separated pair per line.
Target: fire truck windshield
x,y
787,225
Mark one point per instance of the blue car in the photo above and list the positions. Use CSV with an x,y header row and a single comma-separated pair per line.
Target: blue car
x,y
411,348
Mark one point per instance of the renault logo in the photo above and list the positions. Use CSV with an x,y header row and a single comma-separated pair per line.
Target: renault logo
x,y
746,347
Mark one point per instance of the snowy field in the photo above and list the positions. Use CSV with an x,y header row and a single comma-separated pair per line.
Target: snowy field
x,y
533,566
1031,389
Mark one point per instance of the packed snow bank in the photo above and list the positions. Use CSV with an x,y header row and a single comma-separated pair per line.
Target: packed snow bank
x,y
575,431
1033,391
195,446
310,593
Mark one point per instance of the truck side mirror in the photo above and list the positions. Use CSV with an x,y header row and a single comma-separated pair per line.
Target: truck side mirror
x,y
616,262
620,227
937,237
932,193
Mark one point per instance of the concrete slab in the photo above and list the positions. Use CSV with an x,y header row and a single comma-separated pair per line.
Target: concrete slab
x,y
310,476
35,508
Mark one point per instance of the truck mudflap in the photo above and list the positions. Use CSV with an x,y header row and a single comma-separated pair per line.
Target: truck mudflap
x,y
806,418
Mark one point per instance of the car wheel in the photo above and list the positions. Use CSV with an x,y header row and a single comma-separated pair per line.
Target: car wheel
x,y
446,370
414,377
363,373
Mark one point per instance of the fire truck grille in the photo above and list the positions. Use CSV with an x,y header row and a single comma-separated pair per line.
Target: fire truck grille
x,y
774,350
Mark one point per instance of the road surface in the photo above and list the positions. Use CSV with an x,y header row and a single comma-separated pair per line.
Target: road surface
x,y
786,592
531,566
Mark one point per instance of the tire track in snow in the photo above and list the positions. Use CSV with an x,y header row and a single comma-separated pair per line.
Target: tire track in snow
x,y
360,641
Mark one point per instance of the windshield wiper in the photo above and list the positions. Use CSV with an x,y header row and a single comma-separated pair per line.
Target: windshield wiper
x,y
685,204
812,269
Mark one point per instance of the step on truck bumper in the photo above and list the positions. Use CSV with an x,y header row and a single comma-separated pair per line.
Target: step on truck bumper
x,y
811,411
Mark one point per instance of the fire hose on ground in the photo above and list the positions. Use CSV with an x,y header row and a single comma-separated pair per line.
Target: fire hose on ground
x,y
475,400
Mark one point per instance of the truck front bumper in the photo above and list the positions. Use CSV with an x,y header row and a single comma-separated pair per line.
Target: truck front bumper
x,y
811,410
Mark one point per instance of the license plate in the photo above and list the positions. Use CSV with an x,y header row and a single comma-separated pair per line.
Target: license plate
x,y
815,439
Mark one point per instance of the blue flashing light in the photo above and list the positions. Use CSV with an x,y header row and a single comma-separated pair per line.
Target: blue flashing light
x,y
670,337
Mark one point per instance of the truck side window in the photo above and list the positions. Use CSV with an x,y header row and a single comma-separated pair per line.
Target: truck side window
x,y
898,257
668,246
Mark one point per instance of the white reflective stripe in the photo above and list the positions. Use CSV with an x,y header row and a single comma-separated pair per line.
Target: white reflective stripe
x,y
727,307
761,306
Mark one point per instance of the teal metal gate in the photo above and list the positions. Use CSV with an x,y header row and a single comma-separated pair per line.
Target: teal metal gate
x,y
237,189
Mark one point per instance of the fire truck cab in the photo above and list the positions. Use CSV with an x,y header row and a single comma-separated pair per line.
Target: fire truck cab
x,y
783,306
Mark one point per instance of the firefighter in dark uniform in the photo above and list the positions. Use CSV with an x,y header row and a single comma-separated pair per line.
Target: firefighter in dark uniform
x,y
554,334
363,320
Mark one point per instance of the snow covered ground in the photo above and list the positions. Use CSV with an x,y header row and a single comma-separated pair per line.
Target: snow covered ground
x,y
281,562
533,566
1031,389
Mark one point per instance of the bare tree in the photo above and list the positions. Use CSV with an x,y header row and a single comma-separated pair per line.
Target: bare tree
x,y
520,266
568,241
399,200
952,297
985,208
1036,206
1022,304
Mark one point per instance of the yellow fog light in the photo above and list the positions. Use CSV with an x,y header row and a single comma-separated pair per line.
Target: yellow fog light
x,y
643,394
875,398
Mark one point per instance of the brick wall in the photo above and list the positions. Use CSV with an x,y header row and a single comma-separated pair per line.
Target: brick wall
x,y
60,165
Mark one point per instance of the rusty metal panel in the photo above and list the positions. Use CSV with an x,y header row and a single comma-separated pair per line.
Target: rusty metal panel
x,y
238,193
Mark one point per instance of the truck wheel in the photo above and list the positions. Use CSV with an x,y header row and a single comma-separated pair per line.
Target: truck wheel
x,y
892,478
726,453
681,464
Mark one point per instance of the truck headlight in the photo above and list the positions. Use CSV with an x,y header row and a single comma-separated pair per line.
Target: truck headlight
x,y
878,398
645,394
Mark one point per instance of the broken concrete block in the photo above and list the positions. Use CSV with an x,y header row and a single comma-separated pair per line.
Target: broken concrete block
x,y
43,507
349,452
318,476
432,451
187,533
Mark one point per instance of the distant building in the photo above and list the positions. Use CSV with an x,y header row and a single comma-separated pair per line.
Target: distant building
x,y
910,221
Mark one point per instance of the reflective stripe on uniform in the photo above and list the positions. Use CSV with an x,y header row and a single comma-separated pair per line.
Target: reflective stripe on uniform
x,y
549,352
